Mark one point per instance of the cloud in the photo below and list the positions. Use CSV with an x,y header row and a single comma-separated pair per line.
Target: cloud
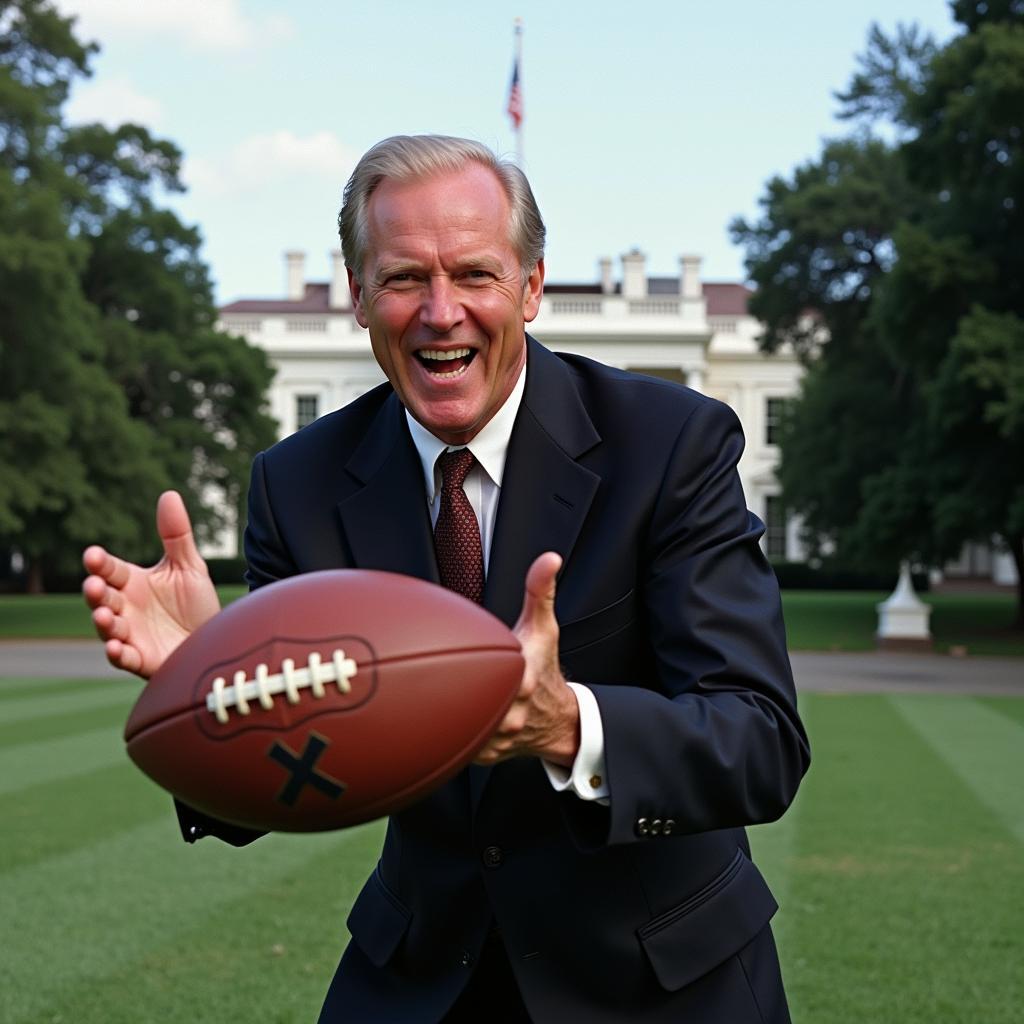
x,y
199,24
269,158
112,101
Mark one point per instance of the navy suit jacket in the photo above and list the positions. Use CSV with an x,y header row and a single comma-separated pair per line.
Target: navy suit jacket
x,y
647,909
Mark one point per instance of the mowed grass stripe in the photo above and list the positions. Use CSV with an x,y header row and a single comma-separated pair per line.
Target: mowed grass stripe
x,y
101,909
30,764
983,747
266,955
899,904
64,815
65,701
35,730
1012,707
15,687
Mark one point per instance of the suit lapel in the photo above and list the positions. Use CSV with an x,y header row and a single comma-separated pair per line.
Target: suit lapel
x,y
545,493
386,521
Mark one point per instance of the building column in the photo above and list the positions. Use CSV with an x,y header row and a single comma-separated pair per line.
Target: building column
x,y
634,275
338,294
295,274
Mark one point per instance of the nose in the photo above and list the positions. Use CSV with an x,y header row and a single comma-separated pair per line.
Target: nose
x,y
441,309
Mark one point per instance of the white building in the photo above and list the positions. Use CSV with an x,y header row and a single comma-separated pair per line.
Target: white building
x,y
682,328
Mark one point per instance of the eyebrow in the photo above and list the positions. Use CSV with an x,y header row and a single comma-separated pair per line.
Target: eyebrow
x,y
385,270
412,266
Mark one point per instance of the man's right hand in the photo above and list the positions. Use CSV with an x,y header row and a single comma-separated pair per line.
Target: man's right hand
x,y
144,614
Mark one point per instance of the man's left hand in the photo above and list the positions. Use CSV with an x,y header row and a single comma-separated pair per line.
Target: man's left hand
x,y
544,719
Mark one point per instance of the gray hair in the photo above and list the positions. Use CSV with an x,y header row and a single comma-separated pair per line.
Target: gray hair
x,y
409,157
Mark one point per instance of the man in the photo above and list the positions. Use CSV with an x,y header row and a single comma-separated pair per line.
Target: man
x,y
592,866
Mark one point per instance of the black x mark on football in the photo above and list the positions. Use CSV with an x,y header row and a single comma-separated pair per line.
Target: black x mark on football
x,y
302,768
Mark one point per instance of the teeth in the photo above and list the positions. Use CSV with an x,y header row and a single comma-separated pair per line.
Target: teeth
x,y
453,373
432,353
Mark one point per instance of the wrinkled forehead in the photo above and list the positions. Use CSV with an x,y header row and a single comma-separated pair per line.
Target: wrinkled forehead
x,y
468,206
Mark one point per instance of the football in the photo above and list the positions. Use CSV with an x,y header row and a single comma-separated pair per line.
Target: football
x,y
325,700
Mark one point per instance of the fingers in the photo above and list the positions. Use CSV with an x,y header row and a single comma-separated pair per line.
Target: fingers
x,y
498,748
123,656
114,631
99,595
541,576
108,625
103,595
539,593
175,529
109,568
490,755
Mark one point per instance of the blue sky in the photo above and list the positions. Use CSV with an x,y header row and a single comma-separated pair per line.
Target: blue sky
x,y
649,124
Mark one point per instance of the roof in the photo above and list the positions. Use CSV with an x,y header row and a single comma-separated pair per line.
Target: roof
x,y
663,286
554,288
315,300
726,298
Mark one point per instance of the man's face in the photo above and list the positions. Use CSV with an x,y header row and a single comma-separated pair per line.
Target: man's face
x,y
443,298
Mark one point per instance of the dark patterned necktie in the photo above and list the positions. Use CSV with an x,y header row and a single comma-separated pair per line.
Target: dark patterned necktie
x,y
460,557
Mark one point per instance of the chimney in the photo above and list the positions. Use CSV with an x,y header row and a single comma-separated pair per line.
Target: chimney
x,y
689,271
338,298
634,277
607,284
295,274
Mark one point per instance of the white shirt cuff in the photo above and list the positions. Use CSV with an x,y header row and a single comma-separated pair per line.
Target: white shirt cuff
x,y
586,778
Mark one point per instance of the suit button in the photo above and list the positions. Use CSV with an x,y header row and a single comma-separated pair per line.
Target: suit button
x,y
493,857
643,827
668,828
465,960
656,827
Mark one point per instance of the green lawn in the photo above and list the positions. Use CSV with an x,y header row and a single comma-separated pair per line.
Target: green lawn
x,y
815,620
65,616
839,620
900,871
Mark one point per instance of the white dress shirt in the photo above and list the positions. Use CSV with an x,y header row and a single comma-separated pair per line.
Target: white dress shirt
x,y
586,777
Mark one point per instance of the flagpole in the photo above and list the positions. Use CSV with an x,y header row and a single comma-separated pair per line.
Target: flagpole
x,y
519,65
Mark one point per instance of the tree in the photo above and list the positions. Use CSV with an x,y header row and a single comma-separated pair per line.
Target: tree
x,y
114,383
819,255
906,439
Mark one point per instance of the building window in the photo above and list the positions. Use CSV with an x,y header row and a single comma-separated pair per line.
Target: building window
x,y
774,410
306,410
775,526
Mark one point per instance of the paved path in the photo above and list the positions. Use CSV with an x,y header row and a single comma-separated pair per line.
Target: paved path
x,y
877,672
867,672
61,659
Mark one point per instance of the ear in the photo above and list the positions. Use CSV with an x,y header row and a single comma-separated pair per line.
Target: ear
x,y
356,291
533,292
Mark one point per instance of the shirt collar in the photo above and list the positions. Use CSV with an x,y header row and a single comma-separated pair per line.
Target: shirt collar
x,y
489,447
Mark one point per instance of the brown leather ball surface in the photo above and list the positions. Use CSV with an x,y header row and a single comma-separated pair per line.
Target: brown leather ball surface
x,y
325,700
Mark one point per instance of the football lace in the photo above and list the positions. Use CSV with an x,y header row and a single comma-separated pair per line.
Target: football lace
x,y
264,685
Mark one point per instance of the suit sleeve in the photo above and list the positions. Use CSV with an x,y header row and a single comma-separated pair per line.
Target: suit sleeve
x,y
266,555
714,740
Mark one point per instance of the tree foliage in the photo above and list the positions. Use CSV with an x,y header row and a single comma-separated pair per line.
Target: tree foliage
x,y
894,263
114,383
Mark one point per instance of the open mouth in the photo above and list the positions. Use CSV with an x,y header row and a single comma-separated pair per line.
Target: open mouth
x,y
446,362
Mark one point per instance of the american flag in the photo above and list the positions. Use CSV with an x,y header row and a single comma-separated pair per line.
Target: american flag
x,y
515,98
